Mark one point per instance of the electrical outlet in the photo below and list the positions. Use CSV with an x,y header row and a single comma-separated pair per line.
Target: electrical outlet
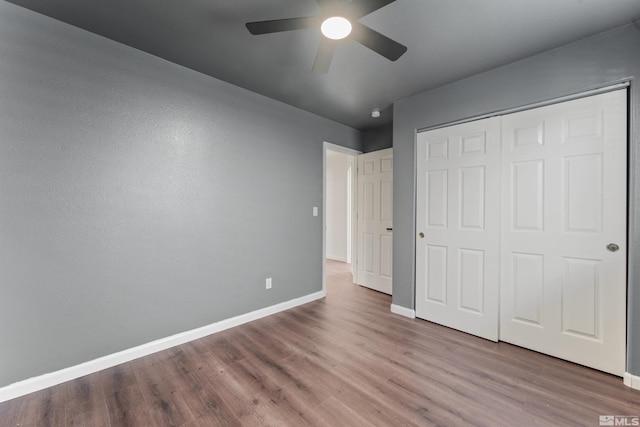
x,y
268,283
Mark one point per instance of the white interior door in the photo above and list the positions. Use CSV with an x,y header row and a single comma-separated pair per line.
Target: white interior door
x,y
564,200
457,258
375,220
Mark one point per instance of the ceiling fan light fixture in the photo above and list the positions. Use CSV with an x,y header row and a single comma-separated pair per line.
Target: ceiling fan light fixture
x,y
336,28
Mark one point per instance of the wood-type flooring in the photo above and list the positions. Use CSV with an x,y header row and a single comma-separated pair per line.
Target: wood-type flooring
x,y
345,360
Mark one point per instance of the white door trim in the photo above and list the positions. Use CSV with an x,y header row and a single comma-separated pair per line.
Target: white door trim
x,y
623,84
328,146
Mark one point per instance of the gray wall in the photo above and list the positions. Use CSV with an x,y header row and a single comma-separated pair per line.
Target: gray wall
x,y
590,63
378,138
139,199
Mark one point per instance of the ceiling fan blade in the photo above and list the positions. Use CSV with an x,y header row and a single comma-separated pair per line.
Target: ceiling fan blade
x,y
324,56
377,42
365,7
279,25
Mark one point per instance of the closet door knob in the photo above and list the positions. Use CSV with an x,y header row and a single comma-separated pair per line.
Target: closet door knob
x,y
612,247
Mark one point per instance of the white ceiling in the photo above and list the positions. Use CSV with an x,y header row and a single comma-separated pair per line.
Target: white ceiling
x,y
447,40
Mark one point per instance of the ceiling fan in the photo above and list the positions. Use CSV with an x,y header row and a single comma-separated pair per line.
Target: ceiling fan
x,y
338,22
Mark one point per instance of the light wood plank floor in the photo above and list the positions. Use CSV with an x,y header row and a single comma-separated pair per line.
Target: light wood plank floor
x,y
342,361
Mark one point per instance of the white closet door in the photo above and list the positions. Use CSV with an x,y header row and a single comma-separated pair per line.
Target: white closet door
x,y
375,220
564,201
457,259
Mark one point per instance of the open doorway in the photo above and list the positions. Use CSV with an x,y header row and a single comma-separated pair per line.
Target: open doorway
x,y
339,209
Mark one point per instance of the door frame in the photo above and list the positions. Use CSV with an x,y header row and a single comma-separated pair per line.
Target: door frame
x,y
625,84
328,146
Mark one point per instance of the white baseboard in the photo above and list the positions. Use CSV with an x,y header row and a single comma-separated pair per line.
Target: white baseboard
x,y
632,381
336,258
403,311
31,385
